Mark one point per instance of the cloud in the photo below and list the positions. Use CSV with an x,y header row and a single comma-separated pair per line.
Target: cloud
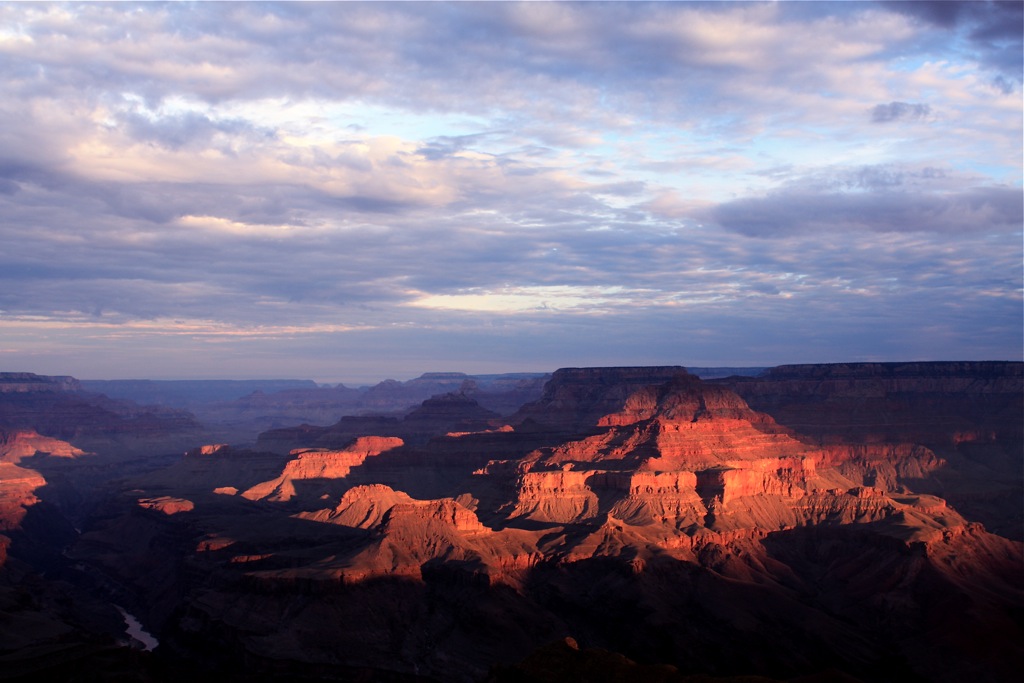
x,y
992,32
555,182
984,210
189,130
895,111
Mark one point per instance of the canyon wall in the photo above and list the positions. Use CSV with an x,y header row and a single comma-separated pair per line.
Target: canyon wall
x,y
790,525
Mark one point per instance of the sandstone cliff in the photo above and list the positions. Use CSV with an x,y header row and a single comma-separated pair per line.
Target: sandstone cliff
x,y
18,482
968,415
641,511
311,464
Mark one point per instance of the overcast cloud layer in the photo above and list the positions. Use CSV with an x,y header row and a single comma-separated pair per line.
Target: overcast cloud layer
x,y
359,191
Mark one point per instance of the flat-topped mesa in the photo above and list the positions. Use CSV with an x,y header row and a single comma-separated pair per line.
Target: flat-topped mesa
x,y
321,464
446,412
971,370
28,382
934,403
575,399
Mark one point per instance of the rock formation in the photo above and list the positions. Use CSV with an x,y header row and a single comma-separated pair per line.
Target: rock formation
x,y
967,416
18,483
58,408
671,526
308,464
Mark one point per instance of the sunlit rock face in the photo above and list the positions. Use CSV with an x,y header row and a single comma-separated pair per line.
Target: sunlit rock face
x,y
640,510
954,429
18,481
308,464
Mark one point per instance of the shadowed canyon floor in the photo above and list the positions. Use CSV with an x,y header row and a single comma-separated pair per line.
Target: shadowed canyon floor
x,y
853,522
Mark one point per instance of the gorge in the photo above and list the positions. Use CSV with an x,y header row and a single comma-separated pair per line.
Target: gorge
x,y
854,522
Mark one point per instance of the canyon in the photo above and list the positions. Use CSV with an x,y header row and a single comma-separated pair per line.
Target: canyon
x,y
854,522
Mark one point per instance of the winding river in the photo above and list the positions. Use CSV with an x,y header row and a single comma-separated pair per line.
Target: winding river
x,y
136,631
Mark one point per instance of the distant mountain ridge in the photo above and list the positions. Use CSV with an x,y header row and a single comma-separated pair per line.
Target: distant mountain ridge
x,y
185,393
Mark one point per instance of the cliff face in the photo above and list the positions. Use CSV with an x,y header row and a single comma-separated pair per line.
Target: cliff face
x,y
56,407
27,382
641,510
575,399
18,482
935,404
693,456
968,417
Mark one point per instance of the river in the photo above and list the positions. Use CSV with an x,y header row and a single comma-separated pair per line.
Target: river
x,y
136,631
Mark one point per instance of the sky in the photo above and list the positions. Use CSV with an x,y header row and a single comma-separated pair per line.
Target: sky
x,y
359,191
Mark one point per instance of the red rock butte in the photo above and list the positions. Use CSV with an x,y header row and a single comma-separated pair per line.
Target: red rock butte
x,y
798,523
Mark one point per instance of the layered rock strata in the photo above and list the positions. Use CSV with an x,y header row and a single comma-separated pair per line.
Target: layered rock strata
x,y
642,510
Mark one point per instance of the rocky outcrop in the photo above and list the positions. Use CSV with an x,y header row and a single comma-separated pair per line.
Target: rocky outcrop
x,y
362,507
168,505
20,444
955,429
309,464
17,493
575,399
18,483
558,496
642,510
701,449
409,535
